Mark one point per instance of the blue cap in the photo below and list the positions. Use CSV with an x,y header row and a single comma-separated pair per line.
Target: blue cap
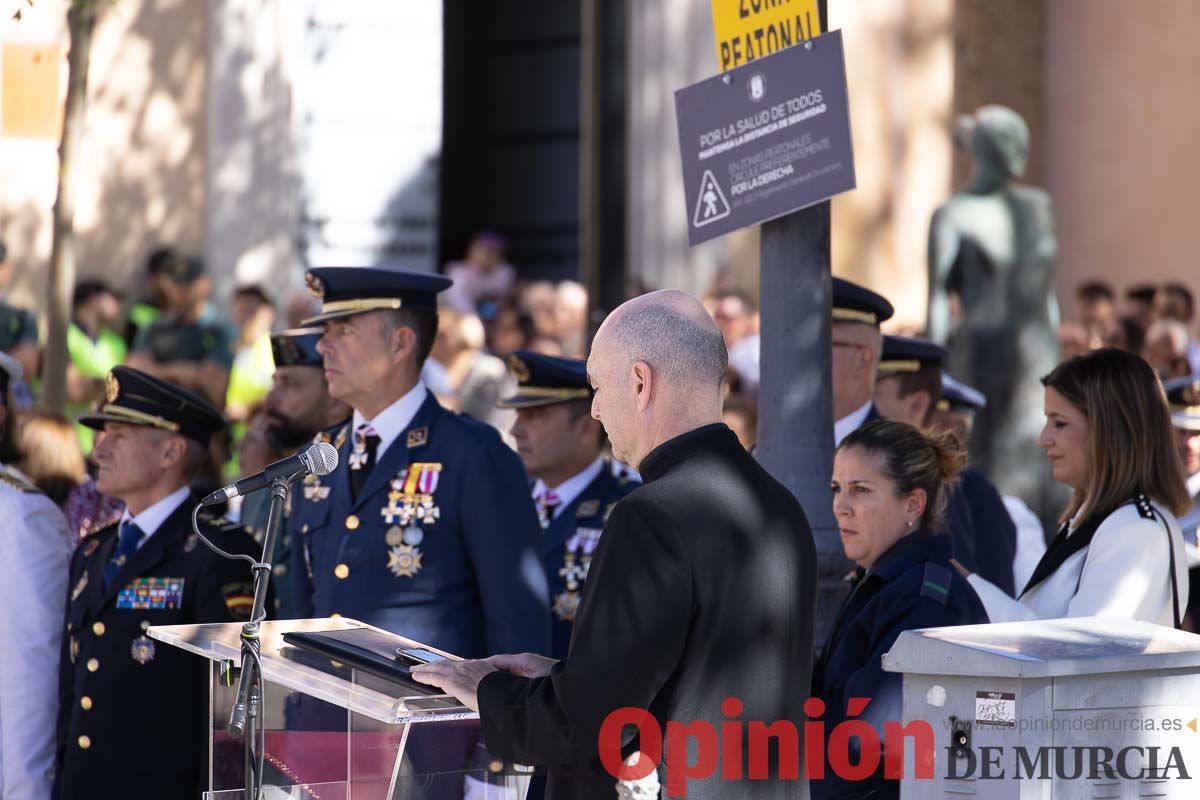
x,y
545,380
854,303
910,354
957,396
1183,395
297,347
136,398
346,291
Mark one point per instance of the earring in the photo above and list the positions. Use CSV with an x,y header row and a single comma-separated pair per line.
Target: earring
x,y
908,522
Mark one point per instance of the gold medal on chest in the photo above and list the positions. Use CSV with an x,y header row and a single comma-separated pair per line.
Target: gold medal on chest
x,y
566,604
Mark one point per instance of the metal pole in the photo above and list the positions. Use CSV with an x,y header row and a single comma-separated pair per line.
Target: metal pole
x,y
244,717
795,421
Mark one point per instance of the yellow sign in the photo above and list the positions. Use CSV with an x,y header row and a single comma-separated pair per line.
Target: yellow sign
x,y
750,29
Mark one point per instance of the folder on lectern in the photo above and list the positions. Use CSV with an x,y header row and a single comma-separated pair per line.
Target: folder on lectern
x,y
341,715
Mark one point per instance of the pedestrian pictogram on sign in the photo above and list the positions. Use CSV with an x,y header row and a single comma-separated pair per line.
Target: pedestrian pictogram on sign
x,y
711,204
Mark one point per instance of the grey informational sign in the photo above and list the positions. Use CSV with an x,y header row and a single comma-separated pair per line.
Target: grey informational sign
x,y
766,138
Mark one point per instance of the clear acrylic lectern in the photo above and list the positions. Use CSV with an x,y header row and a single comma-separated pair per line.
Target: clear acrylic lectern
x,y
335,733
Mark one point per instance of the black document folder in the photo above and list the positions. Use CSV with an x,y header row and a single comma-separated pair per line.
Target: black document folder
x,y
366,649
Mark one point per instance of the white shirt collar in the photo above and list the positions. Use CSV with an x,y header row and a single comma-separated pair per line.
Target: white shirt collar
x,y
850,423
1193,485
392,421
572,487
152,518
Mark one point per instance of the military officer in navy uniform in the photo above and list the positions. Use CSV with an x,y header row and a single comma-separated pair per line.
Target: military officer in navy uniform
x,y
426,528
561,447
132,712
1183,396
857,342
908,389
297,408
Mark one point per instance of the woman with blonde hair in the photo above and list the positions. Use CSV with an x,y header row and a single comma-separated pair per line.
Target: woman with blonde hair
x,y
1119,552
50,453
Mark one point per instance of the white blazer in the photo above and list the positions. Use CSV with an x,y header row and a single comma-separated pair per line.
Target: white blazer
x,y
35,549
1121,573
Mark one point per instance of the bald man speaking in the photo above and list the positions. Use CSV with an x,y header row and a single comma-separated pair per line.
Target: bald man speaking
x,y
700,598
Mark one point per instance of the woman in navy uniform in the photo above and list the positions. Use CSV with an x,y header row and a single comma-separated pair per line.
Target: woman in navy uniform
x,y
890,485
132,712
574,489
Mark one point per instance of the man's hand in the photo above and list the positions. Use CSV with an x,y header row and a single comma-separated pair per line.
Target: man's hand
x,y
527,665
459,679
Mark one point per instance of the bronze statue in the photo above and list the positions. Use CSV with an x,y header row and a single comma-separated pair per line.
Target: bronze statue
x,y
991,299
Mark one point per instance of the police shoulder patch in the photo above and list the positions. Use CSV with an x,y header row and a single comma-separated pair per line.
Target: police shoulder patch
x,y
935,584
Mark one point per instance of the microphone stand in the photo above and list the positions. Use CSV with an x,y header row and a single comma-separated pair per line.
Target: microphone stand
x,y
244,717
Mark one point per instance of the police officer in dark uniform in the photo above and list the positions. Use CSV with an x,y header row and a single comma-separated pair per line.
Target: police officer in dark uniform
x,y
904,580
132,712
560,445
856,314
426,528
908,389
297,408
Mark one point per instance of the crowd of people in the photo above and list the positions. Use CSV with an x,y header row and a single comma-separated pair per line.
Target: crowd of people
x,y
480,432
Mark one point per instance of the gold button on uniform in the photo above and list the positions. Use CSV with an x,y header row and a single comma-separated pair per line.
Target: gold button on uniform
x,y
85,702
335,615
84,742
351,523
281,570
98,628
341,571
93,664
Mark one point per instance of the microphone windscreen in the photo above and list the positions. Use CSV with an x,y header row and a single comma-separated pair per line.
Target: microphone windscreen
x,y
321,458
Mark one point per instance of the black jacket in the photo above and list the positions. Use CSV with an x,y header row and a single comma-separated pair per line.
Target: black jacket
x,y
133,711
911,586
703,587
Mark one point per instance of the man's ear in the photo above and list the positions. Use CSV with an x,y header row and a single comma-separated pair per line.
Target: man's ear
x,y
865,360
921,401
173,452
642,381
403,342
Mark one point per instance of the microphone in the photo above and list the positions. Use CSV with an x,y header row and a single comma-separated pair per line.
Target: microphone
x,y
320,459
